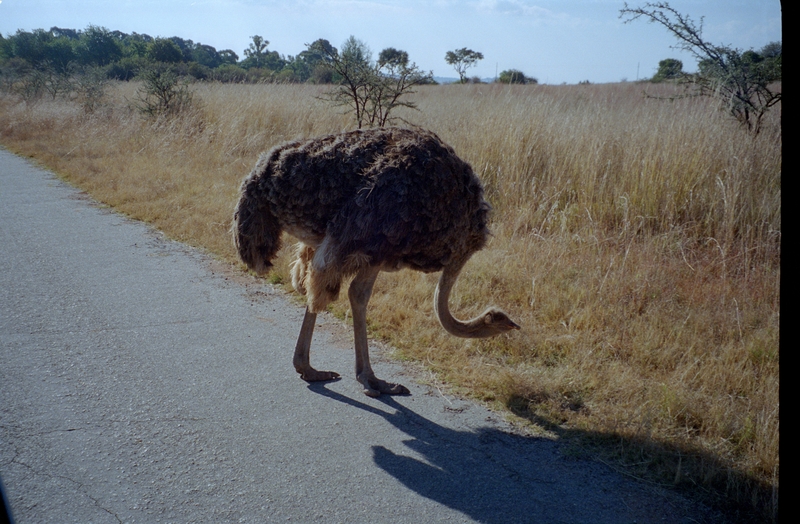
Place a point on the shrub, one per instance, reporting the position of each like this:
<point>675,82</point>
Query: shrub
<point>162,93</point>
<point>90,88</point>
<point>127,68</point>
<point>668,69</point>
<point>229,73</point>
<point>199,71</point>
<point>515,76</point>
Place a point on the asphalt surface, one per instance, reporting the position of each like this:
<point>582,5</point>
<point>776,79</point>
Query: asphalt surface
<point>140,381</point>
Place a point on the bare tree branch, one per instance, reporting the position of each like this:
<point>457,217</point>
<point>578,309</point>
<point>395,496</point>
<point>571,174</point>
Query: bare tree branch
<point>739,78</point>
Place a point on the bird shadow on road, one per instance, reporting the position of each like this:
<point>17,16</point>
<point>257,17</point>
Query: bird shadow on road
<point>495,476</point>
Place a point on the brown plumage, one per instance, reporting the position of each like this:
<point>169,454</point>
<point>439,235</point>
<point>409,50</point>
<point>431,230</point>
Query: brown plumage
<point>363,202</point>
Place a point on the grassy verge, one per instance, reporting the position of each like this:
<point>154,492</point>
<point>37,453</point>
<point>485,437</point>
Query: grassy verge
<point>637,242</point>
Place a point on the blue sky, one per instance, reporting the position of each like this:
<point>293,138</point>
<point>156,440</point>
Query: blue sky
<point>554,41</point>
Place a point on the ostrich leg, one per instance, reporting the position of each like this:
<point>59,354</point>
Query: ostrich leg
<point>302,361</point>
<point>359,294</point>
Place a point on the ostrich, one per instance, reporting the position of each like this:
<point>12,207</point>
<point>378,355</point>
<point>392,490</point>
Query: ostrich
<point>362,202</point>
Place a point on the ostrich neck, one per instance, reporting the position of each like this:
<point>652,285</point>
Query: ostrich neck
<point>474,328</point>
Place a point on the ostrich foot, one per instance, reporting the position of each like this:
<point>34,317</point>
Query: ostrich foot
<point>373,387</point>
<point>312,375</point>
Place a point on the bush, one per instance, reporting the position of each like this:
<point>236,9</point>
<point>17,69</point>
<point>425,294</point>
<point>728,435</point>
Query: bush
<point>668,69</point>
<point>18,76</point>
<point>199,71</point>
<point>229,73</point>
<point>322,74</point>
<point>515,76</point>
<point>127,68</point>
<point>163,93</point>
<point>90,88</point>
<point>287,76</point>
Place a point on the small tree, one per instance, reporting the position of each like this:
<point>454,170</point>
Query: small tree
<point>162,93</point>
<point>737,77</point>
<point>56,82</point>
<point>392,58</point>
<point>90,88</point>
<point>395,78</point>
<point>668,69</point>
<point>515,76</point>
<point>461,60</point>
<point>353,71</point>
<point>370,90</point>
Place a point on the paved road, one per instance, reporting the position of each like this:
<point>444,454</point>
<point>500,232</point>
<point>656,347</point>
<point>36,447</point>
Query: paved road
<point>141,382</point>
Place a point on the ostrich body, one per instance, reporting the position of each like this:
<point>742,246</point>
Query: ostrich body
<point>359,203</point>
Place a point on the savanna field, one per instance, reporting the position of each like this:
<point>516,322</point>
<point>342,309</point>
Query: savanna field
<point>636,240</point>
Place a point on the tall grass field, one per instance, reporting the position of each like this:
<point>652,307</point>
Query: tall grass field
<point>636,240</point>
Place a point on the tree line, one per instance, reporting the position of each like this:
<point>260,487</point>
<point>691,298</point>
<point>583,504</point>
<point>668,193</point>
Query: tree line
<point>123,56</point>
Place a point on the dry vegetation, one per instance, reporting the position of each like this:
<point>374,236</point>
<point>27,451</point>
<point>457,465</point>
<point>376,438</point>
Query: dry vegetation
<point>637,241</point>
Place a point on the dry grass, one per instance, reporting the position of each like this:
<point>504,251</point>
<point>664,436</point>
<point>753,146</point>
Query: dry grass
<point>637,242</point>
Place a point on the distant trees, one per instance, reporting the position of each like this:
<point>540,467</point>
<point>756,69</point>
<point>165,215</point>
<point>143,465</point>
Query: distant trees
<point>207,56</point>
<point>392,59</point>
<point>257,56</point>
<point>256,52</point>
<point>668,69</point>
<point>124,56</point>
<point>227,56</point>
<point>461,60</point>
<point>164,50</point>
<point>515,76</point>
<point>743,80</point>
<point>376,85</point>
<point>763,66</point>
<point>39,49</point>
<point>97,46</point>
<point>135,45</point>
<point>314,63</point>
<point>186,46</point>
